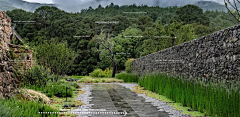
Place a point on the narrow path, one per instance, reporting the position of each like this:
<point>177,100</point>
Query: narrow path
<point>112,98</point>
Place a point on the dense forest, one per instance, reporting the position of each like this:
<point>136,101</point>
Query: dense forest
<point>133,30</point>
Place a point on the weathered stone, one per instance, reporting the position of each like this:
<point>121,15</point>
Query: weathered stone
<point>1,89</point>
<point>1,95</point>
<point>0,81</point>
<point>213,56</point>
<point>8,80</point>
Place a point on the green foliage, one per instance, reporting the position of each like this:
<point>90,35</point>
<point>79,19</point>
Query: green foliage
<point>56,56</point>
<point>100,73</point>
<point>23,56</point>
<point>15,108</point>
<point>108,72</point>
<point>212,99</point>
<point>52,23</point>
<point>97,73</point>
<point>59,90</point>
<point>128,65</point>
<point>191,14</point>
<point>127,77</point>
<point>127,45</point>
<point>76,77</point>
<point>37,76</point>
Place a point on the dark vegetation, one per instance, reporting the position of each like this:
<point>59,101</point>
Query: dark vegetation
<point>65,44</point>
<point>185,23</point>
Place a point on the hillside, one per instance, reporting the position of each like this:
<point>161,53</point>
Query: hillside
<point>210,5</point>
<point>6,6</point>
<point>71,7</point>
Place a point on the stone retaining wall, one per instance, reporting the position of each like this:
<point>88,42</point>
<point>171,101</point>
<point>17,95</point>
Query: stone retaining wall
<point>215,56</point>
<point>8,80</point>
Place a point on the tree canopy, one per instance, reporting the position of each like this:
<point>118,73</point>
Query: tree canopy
<point>140,30</point>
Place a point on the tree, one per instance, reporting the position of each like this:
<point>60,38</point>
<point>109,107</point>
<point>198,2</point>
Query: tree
<point>189,14</point>
<point>234,5</point>
<point>127,45</point>
<point>106,49</point>
<point>183,33</point>
<point>56,56</point>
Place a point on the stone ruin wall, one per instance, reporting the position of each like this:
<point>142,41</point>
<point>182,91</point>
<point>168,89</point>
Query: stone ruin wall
<point>215,57</point>
<point>8,80</point>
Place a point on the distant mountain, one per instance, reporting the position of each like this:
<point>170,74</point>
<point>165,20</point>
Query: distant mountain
<point>74,7</point>
<point>5,6</point>
<point>20,4</point>
<point>210,5</point>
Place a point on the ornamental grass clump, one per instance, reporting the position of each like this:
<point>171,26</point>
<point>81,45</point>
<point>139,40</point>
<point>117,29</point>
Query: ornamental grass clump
<point>209,98</point>
<point>127,77</point>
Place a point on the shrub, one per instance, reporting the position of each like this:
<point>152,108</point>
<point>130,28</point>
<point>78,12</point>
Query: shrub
<point>58,90</point>
<point>108,73</point>
<point>128,65</point>
<point>97,73</point>
<point>37,75</point>
<point>100,73</point>
<point>127,77</point>
<point>15,108</point>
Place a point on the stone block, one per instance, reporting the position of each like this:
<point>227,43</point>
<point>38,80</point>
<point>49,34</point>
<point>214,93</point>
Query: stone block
<point>214,55</point>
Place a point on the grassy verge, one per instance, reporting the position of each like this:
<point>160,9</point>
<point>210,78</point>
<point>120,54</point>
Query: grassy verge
<point>54,95</point>
<point>89,79</point>
<point>211,99</point>
<point>63,106</point>
<point>177,106</point>
<point>16,108</point>
<point>127,77</point>
<point>76,77</point>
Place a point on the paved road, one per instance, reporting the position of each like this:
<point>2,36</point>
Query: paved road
<point>108,99</point>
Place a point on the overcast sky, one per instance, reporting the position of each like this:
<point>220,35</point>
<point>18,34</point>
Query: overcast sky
<point>77,5</point>
<point>40,1</point>
<point>52,1</point>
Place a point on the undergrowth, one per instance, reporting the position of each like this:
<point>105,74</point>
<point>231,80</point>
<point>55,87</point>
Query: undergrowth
<point>15,108</point>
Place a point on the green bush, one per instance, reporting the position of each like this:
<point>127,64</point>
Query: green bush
<point>127,77</point>
<point>128,65</point>
<point>212,99</point>
<point>97,73</point>
<point>108,72</point>
<point>37,75</point>
<point>100,73</point>
<point>15,108</point>
<point>59,90</point>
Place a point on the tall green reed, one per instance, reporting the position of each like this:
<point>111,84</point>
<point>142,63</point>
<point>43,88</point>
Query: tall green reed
<point>209,98</point>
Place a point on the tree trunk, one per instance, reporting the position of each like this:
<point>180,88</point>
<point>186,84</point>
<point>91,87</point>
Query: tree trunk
<point>57,74</point>
<point>114,67</point>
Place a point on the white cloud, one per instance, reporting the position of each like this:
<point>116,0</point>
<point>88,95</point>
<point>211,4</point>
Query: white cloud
<point>40,1</point>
